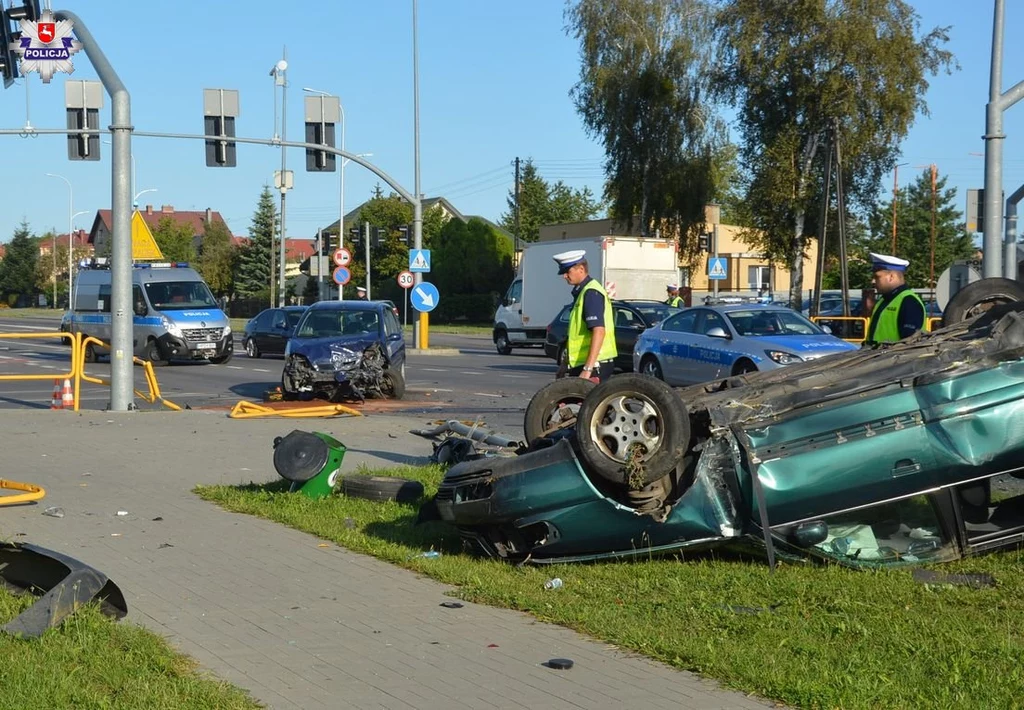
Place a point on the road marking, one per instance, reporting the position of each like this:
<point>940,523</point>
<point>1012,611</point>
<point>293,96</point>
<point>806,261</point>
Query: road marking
<point>428,389</point>
<point>470,372</point>
<point>487,394</point>
<point>258,369</point>
<point>235,367</point>
<point>433,369</point>
<point>519,376</point>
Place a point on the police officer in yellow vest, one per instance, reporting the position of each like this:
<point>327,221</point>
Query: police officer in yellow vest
<point>673,299</point>
<point>591,343</point>
<point>898,312</point>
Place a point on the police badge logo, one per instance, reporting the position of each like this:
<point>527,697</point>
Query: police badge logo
<point>46,46</point>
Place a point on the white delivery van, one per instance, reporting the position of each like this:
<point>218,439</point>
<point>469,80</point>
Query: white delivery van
<point>175,315</point>
<point>634,268</point>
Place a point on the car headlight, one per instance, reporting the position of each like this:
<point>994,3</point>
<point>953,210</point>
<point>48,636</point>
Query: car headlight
<point>172,328</point>
<point>227,331</point>
<point>783,358</point>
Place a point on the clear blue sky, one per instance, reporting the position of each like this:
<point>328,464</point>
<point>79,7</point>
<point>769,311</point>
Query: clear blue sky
<point>494,84</point>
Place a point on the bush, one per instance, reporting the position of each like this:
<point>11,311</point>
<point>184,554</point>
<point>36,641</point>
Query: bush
<point>473,308</point>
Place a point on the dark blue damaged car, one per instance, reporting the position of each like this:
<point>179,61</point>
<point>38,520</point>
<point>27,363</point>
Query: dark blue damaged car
<point>346,350</point>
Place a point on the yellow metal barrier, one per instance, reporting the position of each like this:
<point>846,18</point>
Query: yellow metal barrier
<point>147,367</point>
<point>934,324</point>
<point>854,322</point>
<point>51,376</point>
<point>250,410</point>
<point>29,493</point>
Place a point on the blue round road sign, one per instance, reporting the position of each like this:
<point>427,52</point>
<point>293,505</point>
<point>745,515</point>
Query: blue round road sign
<point>424,297</point>
<point>341,275</point>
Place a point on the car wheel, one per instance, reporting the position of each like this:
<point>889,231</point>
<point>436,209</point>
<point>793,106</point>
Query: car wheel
<point>90,351</point>
<point>381,488</point>
<point>980,296</point>
<point>501,343</point>
<point>251,349</point>
<point>393,384</point>
<point>153,354</point>
<point>742,367</point>
<point>222,359</point>
<point>562,357</point>
<point>555,406</point>
<point>632,430</point>
<point>649,366</point>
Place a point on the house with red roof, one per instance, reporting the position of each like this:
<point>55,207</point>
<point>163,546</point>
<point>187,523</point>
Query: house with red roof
<point>100,234</point>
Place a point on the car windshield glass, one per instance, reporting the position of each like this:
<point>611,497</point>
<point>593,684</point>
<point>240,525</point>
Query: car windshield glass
<point>333,324</point>
<point>759,323</point>
<point>179,295</point>
<point>293,318</point>
<point>656,312</point>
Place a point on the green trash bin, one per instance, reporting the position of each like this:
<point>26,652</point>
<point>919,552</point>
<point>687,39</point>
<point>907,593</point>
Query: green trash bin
<point>310,460</point>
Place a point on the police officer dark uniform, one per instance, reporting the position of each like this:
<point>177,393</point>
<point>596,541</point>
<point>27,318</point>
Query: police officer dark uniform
<point>591,342</point>
<point>898,311</point>
<point>673,299</point>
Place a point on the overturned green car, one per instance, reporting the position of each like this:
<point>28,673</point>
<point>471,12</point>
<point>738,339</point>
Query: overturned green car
<point>902,455</point>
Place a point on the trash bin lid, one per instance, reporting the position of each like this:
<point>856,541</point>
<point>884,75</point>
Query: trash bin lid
<point>300,456</point>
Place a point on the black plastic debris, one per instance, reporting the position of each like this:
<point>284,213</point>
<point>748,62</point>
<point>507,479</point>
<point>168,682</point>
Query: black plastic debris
<point>974,581</point>
<point>452,605</point>
<point>559,664</point>
<point>64,583</point>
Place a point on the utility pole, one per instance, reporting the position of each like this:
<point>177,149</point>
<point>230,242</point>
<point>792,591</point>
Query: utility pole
<point>931,276</point>
<point>516,253</point>
<point>282,79</point>
<point>366,236</point>
<point>320,265</point>
<point>895,200</point>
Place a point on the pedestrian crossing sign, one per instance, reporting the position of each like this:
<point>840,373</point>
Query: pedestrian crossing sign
<point>718,268</point>
<point>419,260</point>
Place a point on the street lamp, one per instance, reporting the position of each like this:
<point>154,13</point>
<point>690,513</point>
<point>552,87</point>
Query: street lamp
<point>71,221</point>
<point>135,200</point>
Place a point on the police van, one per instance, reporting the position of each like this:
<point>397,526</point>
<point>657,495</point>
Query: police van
<point>175,315</point>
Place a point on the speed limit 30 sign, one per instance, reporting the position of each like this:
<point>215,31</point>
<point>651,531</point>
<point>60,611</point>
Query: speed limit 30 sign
<point>405,279</point>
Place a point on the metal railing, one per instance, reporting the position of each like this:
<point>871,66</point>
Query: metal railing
<point>72,374</point>
<point>147,367</point>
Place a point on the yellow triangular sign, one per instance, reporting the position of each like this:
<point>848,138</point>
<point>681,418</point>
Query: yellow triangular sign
<point>143,244</point>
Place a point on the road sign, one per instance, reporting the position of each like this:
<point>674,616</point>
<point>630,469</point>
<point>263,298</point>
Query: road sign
<point>342,257</point>
<point>405,279</point>
<point>419,261</point>
<point>143,244</point>
<point>718,268</point>
<point>341,275</point>
<point>425,297</point>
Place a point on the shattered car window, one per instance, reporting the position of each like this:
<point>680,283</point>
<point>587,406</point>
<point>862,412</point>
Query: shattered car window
<point>906,530</point>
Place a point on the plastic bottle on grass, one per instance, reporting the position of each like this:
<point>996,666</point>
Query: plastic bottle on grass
<point>555,583</point>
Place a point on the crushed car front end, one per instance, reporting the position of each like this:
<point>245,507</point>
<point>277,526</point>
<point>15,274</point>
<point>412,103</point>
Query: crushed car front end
<point>334,367</point>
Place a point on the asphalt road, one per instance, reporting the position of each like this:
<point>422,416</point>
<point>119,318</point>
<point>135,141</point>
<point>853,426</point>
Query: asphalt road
<point>477,383</point>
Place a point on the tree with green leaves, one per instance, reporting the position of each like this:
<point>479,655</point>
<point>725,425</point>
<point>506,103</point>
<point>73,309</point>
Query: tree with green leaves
<point>472,265</point>
<point>252,276</point>
<point>18,268</point>
<point>642,92</point>
<point>913,234</point>
<point>217,257</point>
<point>541,203</point>
<point>175,239</point>
<point>795,69</point>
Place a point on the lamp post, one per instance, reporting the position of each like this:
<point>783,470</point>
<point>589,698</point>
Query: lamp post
<point>71,220</point>
<point>135,200</point>
<point>71,249</point>
<point>279,72</point>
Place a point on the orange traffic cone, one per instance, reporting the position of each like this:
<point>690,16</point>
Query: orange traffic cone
<point>67,396</point>
<point>57,401</point>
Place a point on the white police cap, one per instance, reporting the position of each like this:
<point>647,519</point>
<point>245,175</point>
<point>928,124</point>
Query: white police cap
<point>568,259</point>
<point>888,263</point>
<point>361,288</point>
<point>672,287</point>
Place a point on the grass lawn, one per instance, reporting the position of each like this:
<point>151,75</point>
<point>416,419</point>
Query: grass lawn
<point>816,637</point>
<point>93,662</point>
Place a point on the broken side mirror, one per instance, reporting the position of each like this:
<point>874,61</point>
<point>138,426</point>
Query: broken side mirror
<point>717,332</point>
<point>140,308</point>
<point>809,534</point>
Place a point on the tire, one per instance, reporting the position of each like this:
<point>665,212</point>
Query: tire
<point>626,412</point>
<point>552,402</point>
<point>251,349</point>
<point>742,367</point>
<point>153,354</point>
<point>393,384</point>
<point>501,343</point>
<point>562,357</point>
<point>649,366</point>
<point>978,297</point>
<point>90,352</point>
<point>382,488</point>
<point>223,359</point>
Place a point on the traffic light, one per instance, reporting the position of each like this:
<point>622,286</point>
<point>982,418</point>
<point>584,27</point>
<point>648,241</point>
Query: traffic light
<point>704,242</point>
<point>403,233</point>
<point>220,108</point>
<point>322,114</point>
<point>8,57</point>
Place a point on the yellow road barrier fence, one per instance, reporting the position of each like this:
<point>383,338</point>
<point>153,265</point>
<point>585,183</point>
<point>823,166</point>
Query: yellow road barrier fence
<point>250,410</point>
<point>29,492</point>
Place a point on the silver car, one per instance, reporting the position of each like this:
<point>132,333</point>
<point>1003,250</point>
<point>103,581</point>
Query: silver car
<point>704,343</point>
